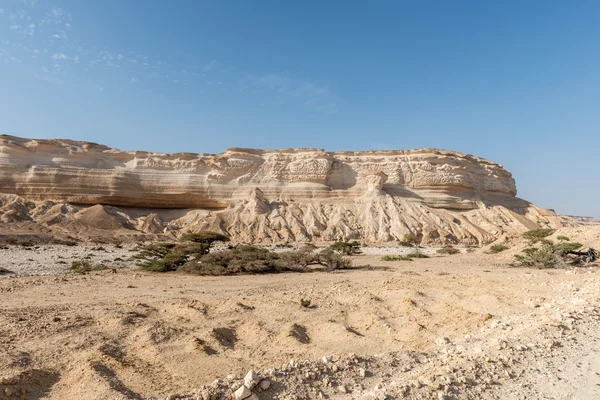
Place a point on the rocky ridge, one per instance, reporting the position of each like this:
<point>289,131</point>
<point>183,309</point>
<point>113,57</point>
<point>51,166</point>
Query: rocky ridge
<point>263,195</point>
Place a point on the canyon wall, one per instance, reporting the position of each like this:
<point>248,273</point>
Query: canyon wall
<point>277,195</point>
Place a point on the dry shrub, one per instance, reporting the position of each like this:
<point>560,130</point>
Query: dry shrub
<point>448,250</point>
<point>497,248</point>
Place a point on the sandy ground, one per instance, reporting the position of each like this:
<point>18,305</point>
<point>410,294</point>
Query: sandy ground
<point>465,326</point>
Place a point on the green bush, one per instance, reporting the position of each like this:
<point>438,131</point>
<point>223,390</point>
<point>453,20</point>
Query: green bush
<point>165,257</point>
<point>562,238</point>
<point>497,248</point>
<point>203,237</point>
<point>536,235</point>
<point>547,255</point>
<point>347,248</point>
<point>243,259</point>
<point>565,248</point>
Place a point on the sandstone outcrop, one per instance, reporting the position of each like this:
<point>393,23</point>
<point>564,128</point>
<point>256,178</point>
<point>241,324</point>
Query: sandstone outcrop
<point>265,195</point>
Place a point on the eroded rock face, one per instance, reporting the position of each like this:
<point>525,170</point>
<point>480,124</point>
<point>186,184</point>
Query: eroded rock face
<point>266,195</point>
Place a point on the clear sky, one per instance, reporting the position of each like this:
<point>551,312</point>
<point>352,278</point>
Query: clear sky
<point>517,82</point>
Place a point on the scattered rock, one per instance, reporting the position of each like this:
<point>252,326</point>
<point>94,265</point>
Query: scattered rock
<point>242,393</point>
<point>251,379</point>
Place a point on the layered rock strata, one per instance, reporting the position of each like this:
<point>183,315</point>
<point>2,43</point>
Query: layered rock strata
<point>271,196</point>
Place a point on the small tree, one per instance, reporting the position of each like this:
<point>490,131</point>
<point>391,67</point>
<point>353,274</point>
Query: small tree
<point>547,255</point>
<point>203,237</point>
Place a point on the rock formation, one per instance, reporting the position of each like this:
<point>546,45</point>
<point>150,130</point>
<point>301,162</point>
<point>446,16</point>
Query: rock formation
<point>265,195</point>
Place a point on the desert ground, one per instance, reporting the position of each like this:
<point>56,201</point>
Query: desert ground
<point>464,326</point>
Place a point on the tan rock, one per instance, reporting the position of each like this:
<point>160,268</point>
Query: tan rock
<point>266,195</point>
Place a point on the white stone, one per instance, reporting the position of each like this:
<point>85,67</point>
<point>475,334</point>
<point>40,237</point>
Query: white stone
<point>242,393</point>
<point>251,379</point>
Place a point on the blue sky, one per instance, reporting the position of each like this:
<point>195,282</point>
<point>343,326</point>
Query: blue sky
<point>517,82</point>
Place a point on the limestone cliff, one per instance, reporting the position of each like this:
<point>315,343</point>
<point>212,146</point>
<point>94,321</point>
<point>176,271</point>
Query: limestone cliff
<point>267,195</point>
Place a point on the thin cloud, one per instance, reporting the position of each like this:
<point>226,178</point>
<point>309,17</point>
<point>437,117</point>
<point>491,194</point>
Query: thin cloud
<point>30,30</point>
<point>313,95</point>
<point>64,57</point>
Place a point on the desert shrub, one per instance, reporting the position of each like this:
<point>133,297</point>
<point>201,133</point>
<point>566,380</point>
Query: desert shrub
<point>170,262</point>
<point>84,266</point>
<point>107,240</point>
<point>242,259</point>
<point>203,237</point>
<point>302,257</point>
<point>448,250</point>
<point>347,248</point>
<point>396,258</point>
<point>195,258</point>
<point>165,257</point>
<point>417,254</point>
<point>305,303</point>
<point>155,250</point>
<point>565,248</point>
<point>408,240</point>
<point>547,255</point>
<point>536,235</point>
<point>65,242</point>
<point>332,261</point>
<point>497,248</point>
<point>562,238</point>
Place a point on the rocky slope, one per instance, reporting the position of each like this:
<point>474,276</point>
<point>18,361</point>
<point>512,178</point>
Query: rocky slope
<point>86,189</point>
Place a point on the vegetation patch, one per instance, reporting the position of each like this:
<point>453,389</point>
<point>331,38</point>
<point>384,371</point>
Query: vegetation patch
<point>536,235</point>
<point>417,254</point>
<point>497,248</point>
<point>396,258</point>
<point>547,255</point>
<point>405,257</point>
<point>193,255</point>
<point>84,266</point>
<point>448,250</point>
<point>408,240</point>
<point>347,248</point>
